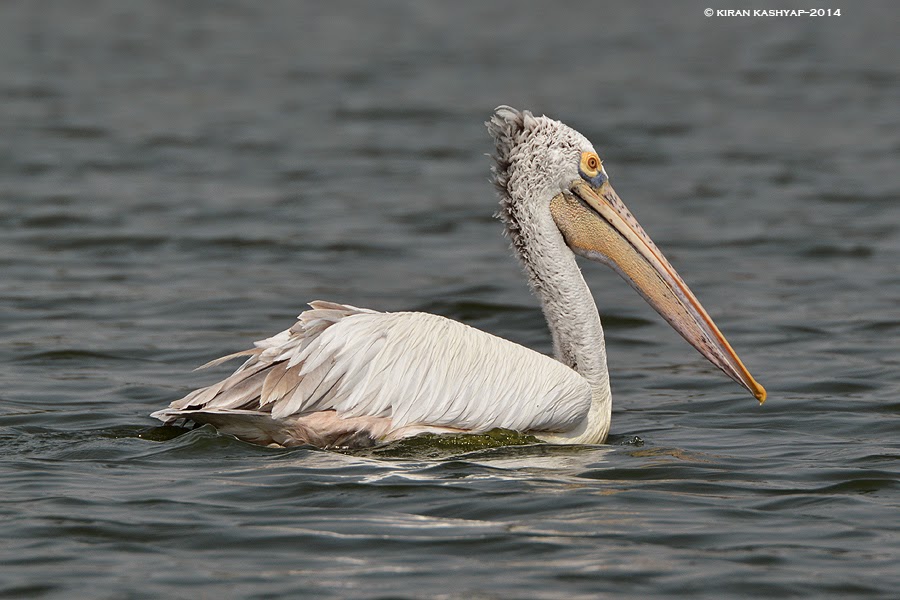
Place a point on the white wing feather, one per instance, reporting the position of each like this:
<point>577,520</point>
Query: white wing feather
<point>415,369</point>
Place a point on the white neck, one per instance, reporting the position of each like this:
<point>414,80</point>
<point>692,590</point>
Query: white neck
<point>570,312</point>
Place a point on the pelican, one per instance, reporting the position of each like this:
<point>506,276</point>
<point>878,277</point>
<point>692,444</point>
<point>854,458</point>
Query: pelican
<point>344,376</point>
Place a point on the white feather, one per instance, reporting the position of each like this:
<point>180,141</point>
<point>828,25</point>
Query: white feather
<point>415,369</point>
<point>344,375</point>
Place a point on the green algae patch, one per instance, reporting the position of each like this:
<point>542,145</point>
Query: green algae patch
<point>433,445</point>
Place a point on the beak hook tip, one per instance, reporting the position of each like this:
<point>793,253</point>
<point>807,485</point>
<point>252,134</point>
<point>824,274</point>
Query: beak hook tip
<point>760,393</point>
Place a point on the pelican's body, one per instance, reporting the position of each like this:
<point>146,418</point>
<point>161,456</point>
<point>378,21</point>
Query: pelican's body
<point>345,376</point>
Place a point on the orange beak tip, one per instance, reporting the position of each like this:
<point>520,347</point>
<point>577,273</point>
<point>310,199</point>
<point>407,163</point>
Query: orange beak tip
<point>760,393</point>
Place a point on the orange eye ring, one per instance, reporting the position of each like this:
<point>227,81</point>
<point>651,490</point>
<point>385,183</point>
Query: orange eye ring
<point>590,163</point>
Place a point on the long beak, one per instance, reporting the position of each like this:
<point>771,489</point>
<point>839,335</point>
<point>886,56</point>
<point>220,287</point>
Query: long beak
<point>596,225</point>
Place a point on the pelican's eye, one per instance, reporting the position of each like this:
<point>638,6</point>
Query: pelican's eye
<point>591,169</point>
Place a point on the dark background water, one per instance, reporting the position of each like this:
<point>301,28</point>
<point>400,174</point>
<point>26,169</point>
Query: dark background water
<point>177,179</point>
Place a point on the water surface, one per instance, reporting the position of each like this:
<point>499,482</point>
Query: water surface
<point>177,180</point>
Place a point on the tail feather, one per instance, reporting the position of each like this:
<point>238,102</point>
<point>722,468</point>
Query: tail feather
<point>274,371</point>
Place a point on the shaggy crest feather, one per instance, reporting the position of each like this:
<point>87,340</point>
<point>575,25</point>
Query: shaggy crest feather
<point>527,153</point>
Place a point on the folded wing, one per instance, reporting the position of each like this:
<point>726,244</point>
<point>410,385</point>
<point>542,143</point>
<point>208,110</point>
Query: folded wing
<point>410,371</point>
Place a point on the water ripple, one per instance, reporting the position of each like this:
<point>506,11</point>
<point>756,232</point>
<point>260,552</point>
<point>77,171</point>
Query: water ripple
<point>179,178</point>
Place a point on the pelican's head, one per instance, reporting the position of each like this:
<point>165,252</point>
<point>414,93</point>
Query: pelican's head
<point>544,166</point>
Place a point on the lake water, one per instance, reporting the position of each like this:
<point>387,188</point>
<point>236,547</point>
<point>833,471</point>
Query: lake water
<point>178,179</point>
